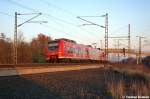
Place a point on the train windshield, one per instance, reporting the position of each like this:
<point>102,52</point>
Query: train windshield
<point>52,46</point>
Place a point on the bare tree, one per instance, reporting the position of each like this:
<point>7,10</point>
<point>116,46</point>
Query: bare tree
<point>5,49</point>
<point>37,46</point>
<point>24,50</point>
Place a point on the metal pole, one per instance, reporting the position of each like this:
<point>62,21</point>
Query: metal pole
<point>15,41</point>
<point>106,35</point>
<point>139,49</point>
<point>15,45</point>
<point>118,51</point>
<point>129,40</point>
<point>101,44</point>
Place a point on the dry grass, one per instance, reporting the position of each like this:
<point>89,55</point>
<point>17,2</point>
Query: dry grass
<point>116,90</point>
<point>139,89</point>
<point>124,87</point>
<point>83,84</point>
<point>135,67</point>
<point>132,69</point>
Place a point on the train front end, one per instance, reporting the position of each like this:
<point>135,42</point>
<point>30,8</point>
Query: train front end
<point>54,50</point>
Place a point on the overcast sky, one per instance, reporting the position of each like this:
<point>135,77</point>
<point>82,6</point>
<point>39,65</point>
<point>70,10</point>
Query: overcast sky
<point>62,22</point>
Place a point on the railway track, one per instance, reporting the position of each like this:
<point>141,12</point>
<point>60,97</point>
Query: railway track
<point>22,69</point>
<point>43,64</point>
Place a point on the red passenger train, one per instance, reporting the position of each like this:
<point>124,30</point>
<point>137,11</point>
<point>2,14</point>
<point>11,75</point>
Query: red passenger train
<point>65,50</point>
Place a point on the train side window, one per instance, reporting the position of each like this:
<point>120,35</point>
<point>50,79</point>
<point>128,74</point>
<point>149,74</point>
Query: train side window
<point>70,50</point>
<point>87,52</point>
<point>80,51</point>
<point>77,51</point>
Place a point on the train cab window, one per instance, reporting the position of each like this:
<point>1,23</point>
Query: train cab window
<point>53,46</point>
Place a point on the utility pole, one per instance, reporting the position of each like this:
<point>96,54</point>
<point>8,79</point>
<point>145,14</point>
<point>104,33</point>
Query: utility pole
<point>15,45</point>
<point>118,50</point>
<point>140,49</point>
<point>129,40</point>
<point>101,44</point>
<point>15,41</point>
<point>106,35</point>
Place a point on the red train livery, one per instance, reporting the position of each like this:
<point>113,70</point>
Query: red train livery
<point>61,50</point>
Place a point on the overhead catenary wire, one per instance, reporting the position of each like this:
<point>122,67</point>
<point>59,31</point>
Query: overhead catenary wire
<point>59,8</point>
<point>69,13</point>
<point>20,5</point>
<point>69,23</point>
<point>118,29</point>
<point>49,15</point>
<point>7,14</point>
<point>87,37</point>
<point>62,32</point>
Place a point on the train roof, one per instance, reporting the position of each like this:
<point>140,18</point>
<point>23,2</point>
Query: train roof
<point>89,45</point>
<point>68,40</point>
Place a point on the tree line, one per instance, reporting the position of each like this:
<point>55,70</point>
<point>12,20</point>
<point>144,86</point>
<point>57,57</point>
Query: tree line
<point>27,52</point>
